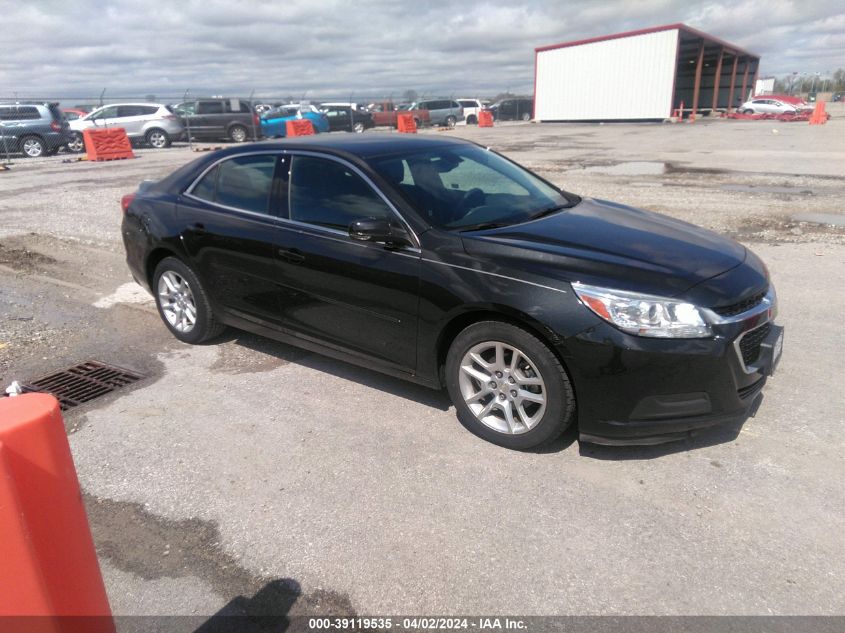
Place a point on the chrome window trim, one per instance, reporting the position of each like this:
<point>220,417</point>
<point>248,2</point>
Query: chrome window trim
<point>291,153</point>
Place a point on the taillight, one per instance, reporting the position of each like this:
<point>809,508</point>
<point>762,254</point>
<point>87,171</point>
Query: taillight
<point>169,117</point>
<point>55,126</point>
<point>126,200</point>
<point>255,119</point>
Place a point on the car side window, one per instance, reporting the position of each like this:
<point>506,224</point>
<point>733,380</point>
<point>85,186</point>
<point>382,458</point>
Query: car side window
<point>246,182</point>
<point>206,187</point>
<point>129,110</point>
<point>327,193</point>
<point>209,107</point>
<point>106,113</point>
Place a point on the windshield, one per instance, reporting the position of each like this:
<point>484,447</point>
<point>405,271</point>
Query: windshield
<point>469,187</point>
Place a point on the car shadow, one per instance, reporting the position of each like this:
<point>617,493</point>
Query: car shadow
<point>267,610</point>
<point>437,399</point>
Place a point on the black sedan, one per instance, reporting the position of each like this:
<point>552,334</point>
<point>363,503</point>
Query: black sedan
<point>445,263</point>
<point>347,119</point>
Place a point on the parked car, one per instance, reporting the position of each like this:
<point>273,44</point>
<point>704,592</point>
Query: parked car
<point>274,122</point>
<point>33,129</point>
<point>384,113</point>
<point>442,111</point>
<point>767,106</point>
<point>471,108</point>
<point>72,114</point>
<point>155,124</point>
<point>838,96</point>
<point>343,104</point>
<point>217,118</point>
<point>347,119</point>
<point>442,262</point>
<point>518,109</point>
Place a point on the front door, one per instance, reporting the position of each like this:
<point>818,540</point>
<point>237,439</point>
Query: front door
<point>359,297</point>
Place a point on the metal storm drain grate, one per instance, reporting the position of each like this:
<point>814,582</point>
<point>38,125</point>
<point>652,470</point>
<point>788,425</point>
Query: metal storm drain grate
<point>83,383</point>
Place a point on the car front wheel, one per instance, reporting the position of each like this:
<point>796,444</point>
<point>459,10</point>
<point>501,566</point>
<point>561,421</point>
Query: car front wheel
<point>507,386</point>
<point>183,303</point>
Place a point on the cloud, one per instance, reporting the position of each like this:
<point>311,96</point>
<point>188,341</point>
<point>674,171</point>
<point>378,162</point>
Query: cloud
<point>53,48</point>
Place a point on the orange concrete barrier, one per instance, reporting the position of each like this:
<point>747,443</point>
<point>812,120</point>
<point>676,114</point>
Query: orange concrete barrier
<point>299,127</point>
<point>49,567</point>
<point>819,117</point>
<point>107,144</point>
<point>485,118</point>
<point>405,123</point>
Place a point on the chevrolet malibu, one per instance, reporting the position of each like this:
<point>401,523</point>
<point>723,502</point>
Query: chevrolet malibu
<point>444,263</point>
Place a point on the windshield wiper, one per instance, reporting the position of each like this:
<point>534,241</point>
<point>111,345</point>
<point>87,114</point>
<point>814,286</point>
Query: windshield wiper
<point>481,226</point>
<point>547,211</point>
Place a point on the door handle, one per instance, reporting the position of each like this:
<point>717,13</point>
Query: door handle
<point>293,255</point>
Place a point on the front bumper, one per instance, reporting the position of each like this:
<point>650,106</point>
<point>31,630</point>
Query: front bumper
<point>636,390</point>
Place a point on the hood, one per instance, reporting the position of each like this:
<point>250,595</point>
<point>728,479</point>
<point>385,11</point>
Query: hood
<point>612,245</point>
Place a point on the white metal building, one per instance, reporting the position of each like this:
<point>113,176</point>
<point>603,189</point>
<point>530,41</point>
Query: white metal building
<point>645,74</point>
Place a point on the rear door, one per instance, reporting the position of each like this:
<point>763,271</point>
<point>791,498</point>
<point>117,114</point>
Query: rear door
<point>359,297</point>
<point>230,219</point>
<point>131,118</point>
<point>207,122</point>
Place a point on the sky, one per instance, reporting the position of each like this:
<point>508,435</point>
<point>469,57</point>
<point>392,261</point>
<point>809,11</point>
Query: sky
<point>360,48</point>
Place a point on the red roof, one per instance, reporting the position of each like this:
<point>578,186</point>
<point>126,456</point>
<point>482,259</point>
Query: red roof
<point>655,29</point>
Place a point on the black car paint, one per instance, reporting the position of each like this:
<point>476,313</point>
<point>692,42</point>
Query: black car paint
<point>396,308</point>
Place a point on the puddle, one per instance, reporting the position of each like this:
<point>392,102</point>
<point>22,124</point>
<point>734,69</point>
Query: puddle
<point>766,189</point>
<point>834,219</point>
<point>633,168</point>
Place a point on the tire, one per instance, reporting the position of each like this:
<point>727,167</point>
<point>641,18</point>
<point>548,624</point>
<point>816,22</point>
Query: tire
<point>526,116</point>
<point>77,145</point>
<point>537,370</point>
<point>451,121</point>
<point>358,128</point>
<point>748,111</point>
<point>238,133</point>
<point>177,289</point>
<point>157,138</point>
<point>33,147</point>
<point>472,120</point>
<point>417,122</point>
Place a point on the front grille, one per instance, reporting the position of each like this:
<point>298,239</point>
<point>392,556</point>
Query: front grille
<point>742,306</point>
<point>749,344</point>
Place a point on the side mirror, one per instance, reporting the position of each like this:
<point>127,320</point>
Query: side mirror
<point>377,230</point>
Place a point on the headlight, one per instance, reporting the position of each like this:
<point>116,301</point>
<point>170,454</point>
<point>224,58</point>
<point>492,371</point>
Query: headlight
<point>644,315</point>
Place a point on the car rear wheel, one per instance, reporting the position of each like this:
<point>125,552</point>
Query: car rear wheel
<point>76,144</point>
<point>33,147</point>
<point>358,128</point>
<point>157,138</point>
<point>183,303</point>
<point>526,116</point>
<point>507,386</point>
<point>748,111</point>
<point>237,133</point>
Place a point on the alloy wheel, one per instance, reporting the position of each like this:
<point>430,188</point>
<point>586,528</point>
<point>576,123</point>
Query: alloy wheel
<point>502,387</point>
<point>157,139</point>
<point>177,301</point>
<point>33,148</point>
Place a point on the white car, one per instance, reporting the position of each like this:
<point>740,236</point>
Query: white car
<point>767,106</point>
<point>152,123</point>
<point>471,109</point>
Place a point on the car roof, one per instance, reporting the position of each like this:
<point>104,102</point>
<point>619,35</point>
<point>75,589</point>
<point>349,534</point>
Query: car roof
<point>361,145</point>
<point>132,103</point>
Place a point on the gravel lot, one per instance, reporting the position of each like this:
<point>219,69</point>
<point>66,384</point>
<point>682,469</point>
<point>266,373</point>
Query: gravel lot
<point>249,476</point>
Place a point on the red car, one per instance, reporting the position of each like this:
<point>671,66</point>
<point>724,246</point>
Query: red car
<point>71,114</point>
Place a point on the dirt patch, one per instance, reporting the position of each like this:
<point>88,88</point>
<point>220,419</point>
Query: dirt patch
<point>24,259</point>
<point>149,546</point>
<point>243,353</point>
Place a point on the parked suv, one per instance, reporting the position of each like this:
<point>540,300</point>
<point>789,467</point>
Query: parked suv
<point>151,123</point>
<point>471,109</point>
<point>33,129</point>
<point>442,111</point>
<point>214,119</point>
<point>513,109</point>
